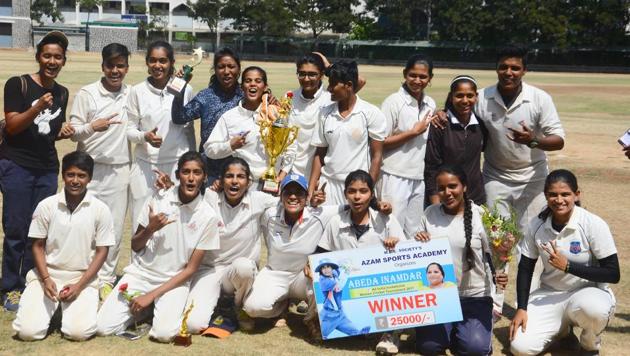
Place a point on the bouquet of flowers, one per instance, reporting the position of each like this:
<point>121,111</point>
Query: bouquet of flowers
<point>503,235</point>
<point>277,113</point>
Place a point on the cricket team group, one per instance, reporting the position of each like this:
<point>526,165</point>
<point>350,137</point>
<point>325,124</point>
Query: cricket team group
<point>356,175</point>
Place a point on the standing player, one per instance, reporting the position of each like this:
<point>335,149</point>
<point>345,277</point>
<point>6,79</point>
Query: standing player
<point>67,256</point>
<point>408,115</point>
<point>349,135</point>
<point>97,117</point>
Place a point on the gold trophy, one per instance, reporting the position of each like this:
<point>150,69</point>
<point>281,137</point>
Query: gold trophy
<point>184,338</point>
<point>276,135</point>
<point>178,84</point>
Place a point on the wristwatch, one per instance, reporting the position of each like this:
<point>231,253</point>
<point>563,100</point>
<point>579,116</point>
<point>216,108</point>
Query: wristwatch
<point>533,143</point>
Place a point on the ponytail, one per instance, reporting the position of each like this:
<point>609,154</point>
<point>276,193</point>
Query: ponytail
<point>468,254</point>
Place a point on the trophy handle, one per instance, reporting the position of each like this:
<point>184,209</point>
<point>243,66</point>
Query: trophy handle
<point>293,133</point>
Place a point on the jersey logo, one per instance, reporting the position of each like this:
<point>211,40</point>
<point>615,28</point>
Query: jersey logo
<point>44,118</point>
<point>574,247</point>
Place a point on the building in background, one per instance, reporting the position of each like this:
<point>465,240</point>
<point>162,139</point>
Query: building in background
<point>15,24</point>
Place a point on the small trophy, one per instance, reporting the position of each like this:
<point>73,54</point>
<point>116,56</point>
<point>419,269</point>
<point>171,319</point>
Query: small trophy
<point>178,84</point>
<point>276,135</point>
<point>184,338</point>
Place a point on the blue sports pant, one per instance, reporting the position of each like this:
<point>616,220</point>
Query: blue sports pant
<point>22,189</point>
<point>471,336</point>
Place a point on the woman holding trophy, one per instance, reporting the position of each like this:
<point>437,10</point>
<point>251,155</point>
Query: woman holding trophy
<point>158,142</point>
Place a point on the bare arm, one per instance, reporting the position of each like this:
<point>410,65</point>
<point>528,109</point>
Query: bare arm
<point>39,260</point>
<point>376,154</point>
<point>17,122</point>
<point>71,291</point>
<point>316,170</point>
<point>143,234</point>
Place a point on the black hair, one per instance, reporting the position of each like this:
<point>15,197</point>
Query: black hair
<point>235,160</point>
<point>419,59</point>
<point>114,50</point>
<point>344,71</point>
<point>50,40</point>
<point>512,51</point>
<point>362,176</point>
<point>311,58</point>
<point>78,159</point>
<point>190,156</point>
<point>170,53</point>
<point>439,266</point>
<point>256,68</point>
<point>559,175</point>
<point>469,258</point>
<point>448,104</point>
<point>224,52</point>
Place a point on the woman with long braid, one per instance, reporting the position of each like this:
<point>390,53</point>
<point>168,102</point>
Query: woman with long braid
<point>457,218</point>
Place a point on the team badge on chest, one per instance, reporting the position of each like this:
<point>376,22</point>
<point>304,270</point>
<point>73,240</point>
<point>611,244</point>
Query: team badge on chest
<point>575,247</point>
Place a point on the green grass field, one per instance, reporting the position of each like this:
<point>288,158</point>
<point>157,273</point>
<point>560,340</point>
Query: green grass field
<point>594,109</point>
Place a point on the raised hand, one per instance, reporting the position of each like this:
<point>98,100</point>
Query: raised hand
<point>556,259</point>
<point>44,102</point>
<point>238,141</point>
<point>163,180</point>
<point>100,125</point>
<point>153,138</point>
<point>157,221</point>
<point>422,125</point>
<point>66,131</point>
<point>319,196</point>
<point>524,136</point>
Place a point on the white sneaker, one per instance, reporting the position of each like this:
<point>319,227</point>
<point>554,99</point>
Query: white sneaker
<point>388,345</point>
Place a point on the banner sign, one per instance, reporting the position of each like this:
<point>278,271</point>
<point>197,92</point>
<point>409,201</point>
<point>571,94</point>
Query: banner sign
<point>371,289</point>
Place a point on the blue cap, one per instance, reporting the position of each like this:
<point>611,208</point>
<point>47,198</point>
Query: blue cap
<point>326,262</point>
<point>297,178</point>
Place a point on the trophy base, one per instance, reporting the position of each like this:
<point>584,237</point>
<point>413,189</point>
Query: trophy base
<point>177,85</point>
<point>183,340</point>
<point>269,186</point>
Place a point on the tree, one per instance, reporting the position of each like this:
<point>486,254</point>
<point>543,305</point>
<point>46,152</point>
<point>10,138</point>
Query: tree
<point>400,18</point>
<point>89,4</point>
<point>207,11</point>
<point>317,16</point>
<point>48,8</point>
<point>261,17</point>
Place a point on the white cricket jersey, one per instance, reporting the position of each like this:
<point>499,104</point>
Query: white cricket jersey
<point>339,234</point>
<point>288,247</point>
<point>504,159</point>
<point>148,108</point>
<point>585,239</point>
<point>347,139</point>
<point>94,102</point>
<point>305,114</point>
<point>71,236</point>
<point>239,226</point>
<point>476,282</point>
<point>168,251</point>
<point>402,112</point>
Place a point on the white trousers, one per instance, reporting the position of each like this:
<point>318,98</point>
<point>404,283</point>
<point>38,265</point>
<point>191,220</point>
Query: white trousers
<point>334,191</point>
<point>115,315</point>
<point>208,283</point>
<point>271,292</point>
<point>407,199</point>
<point>110,184</point>
<point>141,185</point>
<point>550,314</point>
<point>36,309</point>
<point>527,200</point>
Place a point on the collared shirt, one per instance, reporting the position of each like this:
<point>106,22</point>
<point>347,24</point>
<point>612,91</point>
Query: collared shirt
<point>339,234</point>
<point>305,114</point>
<point>504,159</point>
<point>239,226</point>
<point>288,246</point>
<point>72,236</point>
<point>585,239</point>
<point>402,112</point>
<point>457,145</point>
<point>94,102</point>
<point>477,281</point>
<point>208,105</point>
<point>347,138</point>
<point>149,107</point>
<point>234,122</point>
<point>168,251</point>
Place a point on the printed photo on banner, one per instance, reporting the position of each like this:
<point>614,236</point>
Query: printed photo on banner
<point>371,289</point>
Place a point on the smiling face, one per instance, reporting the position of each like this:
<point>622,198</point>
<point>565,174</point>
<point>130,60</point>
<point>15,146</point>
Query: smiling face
<point>75,181</point>
<point>160,66</point>
<point>434,276</point>
<point>451,192</point>
<point>254,87</point>
<point>51,59</point>
<point>310,78</point>
<point>464,98</point>
<point>293,199</point>
<point>510,72</point>
<point>235,183</point>
<point>227,72</point>
<point>327,270</point>
<point>561,200</point>
<point>114,72</point>
<point>191,178</point>
<point>358,195</point>
<point>417,78</point>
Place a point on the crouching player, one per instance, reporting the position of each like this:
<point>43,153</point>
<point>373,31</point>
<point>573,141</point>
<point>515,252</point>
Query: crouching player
<point>175,230</point>
<point>71,233</point>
